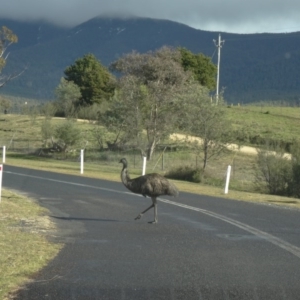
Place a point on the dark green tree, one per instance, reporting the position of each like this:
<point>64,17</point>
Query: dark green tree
<point>201,66</point>
<point>96,83</point>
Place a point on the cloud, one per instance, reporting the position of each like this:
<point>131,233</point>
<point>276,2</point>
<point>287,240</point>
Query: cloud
<point>215,15</point>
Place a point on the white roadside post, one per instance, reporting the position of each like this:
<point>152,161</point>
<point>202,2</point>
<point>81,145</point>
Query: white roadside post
<point>227,179</point>
<point>1,171</point>
<point>81,160</point>
<point>144,165</point>
<point>4,154</point>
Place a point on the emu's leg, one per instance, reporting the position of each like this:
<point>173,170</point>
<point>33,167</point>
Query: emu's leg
<point>155,211</point>
<point>141,214</point>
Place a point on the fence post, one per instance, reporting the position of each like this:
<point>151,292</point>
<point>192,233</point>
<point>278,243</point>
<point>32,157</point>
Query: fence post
<point>227,179</point>
<point>144,165</point>
<point>81,160</point>
<point>4,154</point>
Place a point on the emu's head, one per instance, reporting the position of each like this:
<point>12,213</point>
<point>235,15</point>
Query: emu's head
<point>124,162</point>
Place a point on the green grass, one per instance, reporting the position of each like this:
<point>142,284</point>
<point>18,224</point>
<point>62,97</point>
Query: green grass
<point>267,122</point>
<point>24,131</point>
<point>260,122</point>
<point>24,248</point>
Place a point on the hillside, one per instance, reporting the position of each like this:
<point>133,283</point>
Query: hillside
<point>254,67</point>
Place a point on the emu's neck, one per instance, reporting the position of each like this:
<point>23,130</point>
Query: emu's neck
<point>125,176</point>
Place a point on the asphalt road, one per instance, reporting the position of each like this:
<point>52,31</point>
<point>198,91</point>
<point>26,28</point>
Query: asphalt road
<point>201,248</point>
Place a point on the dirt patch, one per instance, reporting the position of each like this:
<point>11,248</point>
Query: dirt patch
<point>40,225</point>
<point>233,147</point>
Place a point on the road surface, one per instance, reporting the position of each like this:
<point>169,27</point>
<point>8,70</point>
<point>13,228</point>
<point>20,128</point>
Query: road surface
<point>201,248</point>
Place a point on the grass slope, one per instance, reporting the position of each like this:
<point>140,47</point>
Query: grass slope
<point>267,122</point>
<point>24,248</point>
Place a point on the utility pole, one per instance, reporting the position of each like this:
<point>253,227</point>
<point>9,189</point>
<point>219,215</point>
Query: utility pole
<point>219,45</point>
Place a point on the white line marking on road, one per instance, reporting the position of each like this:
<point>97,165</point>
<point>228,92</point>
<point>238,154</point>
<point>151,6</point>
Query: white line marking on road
<point>71,183</point>
<point>264,235</point>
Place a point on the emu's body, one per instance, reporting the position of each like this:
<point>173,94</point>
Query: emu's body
<point>151,185</point>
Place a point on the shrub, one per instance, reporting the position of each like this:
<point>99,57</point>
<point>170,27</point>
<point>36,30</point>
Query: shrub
<point>275,172</point>
<point>46,130</point>
<point>295,162</point>
<point>67,133</point>
<point>279,174</point>
<point>185,173</point>
<point>104,156</point>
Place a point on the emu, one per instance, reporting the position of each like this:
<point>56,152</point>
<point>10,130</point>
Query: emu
<point>151,185</point>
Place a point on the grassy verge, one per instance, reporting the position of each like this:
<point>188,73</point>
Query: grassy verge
<point>112,172</point>
<point>24,248</point>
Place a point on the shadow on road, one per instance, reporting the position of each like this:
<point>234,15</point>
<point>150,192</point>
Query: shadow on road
<point>84,219</point>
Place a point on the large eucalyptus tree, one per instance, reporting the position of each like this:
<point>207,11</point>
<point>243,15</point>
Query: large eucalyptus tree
<point>150,95</point>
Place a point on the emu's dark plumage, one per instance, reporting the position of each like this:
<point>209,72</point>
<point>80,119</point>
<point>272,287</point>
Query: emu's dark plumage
<point>151,185</point>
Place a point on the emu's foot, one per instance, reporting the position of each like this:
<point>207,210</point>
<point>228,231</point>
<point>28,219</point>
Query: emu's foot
<point>139,216</point>
<point>153,222</point>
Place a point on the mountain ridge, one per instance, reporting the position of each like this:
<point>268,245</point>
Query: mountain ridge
<point>254,67</point>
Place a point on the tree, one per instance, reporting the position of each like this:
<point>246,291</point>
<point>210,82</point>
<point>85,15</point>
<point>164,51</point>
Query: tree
<point>100,134</point>
<point>130,108</point>
<point>201,66</point>
<point>94,80</point>
<point>150,94</point>
<point>67,98</point>
<point>113,118</point>
<point>7,37</point>
<point>207,122</point>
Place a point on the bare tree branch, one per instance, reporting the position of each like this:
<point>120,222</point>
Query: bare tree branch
<point>7,37</point>
<point>5,79</point>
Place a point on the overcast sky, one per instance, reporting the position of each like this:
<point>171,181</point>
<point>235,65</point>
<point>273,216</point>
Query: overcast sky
<point>238,16</point>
